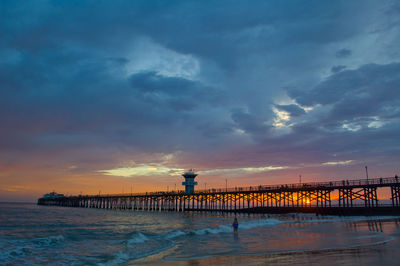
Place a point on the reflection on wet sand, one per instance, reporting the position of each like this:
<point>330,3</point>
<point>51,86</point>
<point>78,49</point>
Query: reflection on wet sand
<point>379,253</point>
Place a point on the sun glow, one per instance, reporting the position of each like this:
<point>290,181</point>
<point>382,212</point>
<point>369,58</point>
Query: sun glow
<point>281,119</point>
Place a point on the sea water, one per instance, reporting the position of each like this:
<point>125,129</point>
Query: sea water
<point>31,234</point>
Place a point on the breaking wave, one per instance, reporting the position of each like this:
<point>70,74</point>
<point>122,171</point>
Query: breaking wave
<point>137,238</point>
<point>12,250</point>
<point>141,245</point>
<point>49,241</point>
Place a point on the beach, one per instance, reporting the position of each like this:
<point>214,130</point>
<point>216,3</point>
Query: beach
<point>384,254</point>
<point>31,234</point>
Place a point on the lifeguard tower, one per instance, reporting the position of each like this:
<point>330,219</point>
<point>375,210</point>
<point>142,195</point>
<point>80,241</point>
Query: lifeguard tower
<point>189,181</point>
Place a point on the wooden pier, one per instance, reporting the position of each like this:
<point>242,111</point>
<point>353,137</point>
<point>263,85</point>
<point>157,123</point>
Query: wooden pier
<point>351,197</point>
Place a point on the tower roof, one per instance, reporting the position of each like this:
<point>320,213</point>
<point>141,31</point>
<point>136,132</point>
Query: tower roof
<point>189,173</point>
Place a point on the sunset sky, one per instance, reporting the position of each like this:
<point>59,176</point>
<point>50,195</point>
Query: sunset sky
<point>111,96</point>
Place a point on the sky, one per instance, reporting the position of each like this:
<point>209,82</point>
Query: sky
<point>120,96</point>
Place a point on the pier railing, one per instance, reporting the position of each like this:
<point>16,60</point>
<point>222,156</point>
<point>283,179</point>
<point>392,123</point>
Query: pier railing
<point>355,183</point>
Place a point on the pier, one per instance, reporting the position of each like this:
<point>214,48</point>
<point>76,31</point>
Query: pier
<point>346,197</point>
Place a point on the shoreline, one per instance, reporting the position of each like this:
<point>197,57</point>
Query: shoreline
<point>301,257</point>
<point>339,211</point>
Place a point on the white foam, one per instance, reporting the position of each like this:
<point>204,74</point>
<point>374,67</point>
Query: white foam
<point>225,228</point>
<point>175,234</point>
<point>137,238</point>
<point>216,230</point>
<point>140,246</point>
<point>259,223</point>
<point>136,249</point>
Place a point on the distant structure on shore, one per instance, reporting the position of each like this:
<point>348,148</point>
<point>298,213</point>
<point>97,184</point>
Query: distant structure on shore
<point>189,181</point>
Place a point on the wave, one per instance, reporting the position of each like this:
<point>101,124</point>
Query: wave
<point>49,241</point>
<point>225,228</point>
<point>137,238</point>
<point>141,245</point>
<point>35,242</point>
<point>118,258</point>
<point>175,234</point>
<point>19,250</point>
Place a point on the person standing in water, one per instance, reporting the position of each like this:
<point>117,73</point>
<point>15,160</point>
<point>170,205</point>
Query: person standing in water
<point>235,224</point>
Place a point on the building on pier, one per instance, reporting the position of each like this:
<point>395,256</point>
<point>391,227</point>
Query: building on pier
<point>53,195</point>
<point>189,181</point>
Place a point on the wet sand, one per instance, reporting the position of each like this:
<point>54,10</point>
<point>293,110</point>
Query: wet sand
<point>385,253</point>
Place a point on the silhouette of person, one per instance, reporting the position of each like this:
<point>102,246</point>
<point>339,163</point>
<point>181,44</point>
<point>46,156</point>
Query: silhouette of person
<point>235,224</point>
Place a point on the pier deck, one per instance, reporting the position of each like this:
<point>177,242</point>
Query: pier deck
<point>355,197</point>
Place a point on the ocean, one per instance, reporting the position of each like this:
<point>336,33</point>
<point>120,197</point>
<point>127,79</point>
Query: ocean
<point>47,235</point>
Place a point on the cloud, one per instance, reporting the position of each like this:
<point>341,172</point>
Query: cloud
<point>177,93</point>
<point>248,122</point>
<point>222,86</point>
<point>149,56</point>
<point>144,170</point>
<point>343,53</point>
<point>159,170</point>
<point>354,111</point>
<point>336,69</point>
<point>338,162</point>
<point>292,109</point>
<point>242,171</point>
<point>371,90</point>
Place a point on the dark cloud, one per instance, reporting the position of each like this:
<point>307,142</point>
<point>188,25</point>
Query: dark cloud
<point>248,122</point>
<point>362,113</point>
<point>178,93</point>
<point>343,53</point>
<point>357,91</point>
